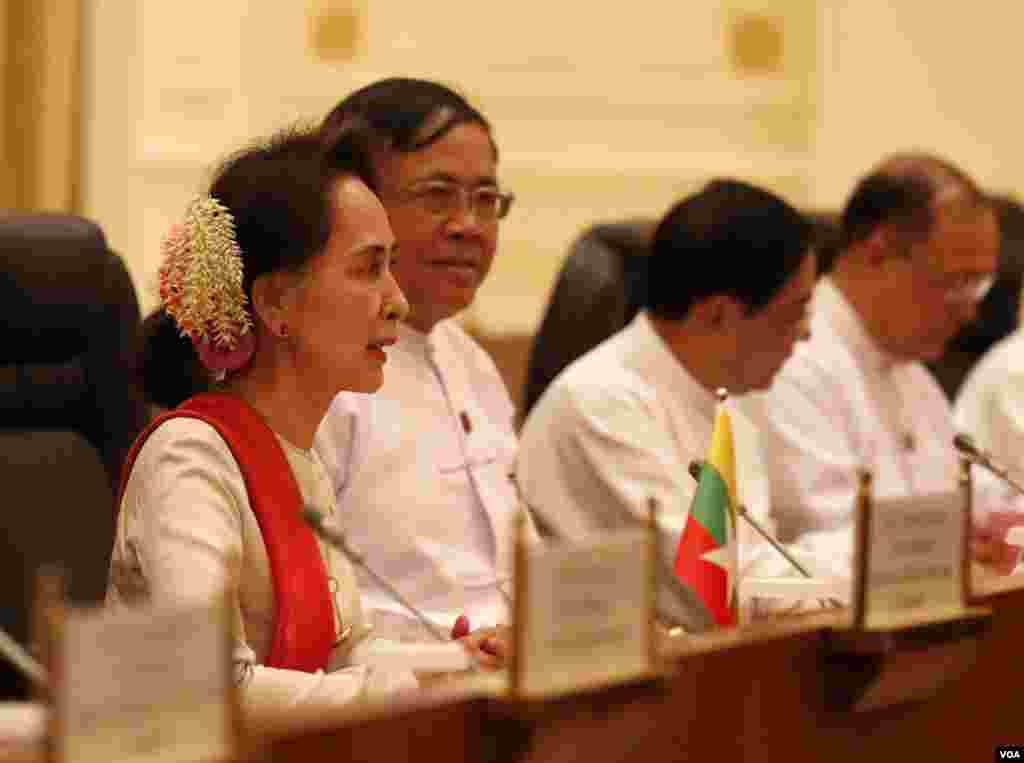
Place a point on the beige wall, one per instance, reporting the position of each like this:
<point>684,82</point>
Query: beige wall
<point>602,110</point>
<point>935,76</point>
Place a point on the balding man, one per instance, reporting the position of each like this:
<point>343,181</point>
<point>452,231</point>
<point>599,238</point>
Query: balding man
<point>919,245</point>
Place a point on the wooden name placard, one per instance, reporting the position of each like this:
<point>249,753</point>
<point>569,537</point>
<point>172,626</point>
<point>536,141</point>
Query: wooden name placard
<point>584,614</point>
<point>139,685</point>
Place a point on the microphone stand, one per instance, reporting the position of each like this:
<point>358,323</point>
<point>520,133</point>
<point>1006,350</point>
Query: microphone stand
<point>22,660</point>
<point>965,446</point>
<point>694,469</point>
<point>338,540</point>
<point>999,472</point>
<point>745,513</point>
<point>696,617</point>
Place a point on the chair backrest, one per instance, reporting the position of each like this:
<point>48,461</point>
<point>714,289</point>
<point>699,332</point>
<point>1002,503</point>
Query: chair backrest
<point>597,292</point>
<point>69,406</point>
<point>69,325</point>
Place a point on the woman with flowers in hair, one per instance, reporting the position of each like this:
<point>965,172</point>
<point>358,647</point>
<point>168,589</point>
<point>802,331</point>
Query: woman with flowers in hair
<point>280,278</point>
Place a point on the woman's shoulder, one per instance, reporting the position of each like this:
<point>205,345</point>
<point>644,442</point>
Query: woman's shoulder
<point>183,448</point>
<point>184,433</point>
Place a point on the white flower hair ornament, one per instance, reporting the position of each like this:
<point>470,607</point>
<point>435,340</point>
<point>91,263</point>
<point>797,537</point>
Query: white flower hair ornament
<point>201,287</point>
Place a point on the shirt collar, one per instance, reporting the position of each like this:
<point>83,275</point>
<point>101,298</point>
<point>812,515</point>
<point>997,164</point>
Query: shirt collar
<point>416,341</point>
<point>658,360</point>
<point>836,311</point>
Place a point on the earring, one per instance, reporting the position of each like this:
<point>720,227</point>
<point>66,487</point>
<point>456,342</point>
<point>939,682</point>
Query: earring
<point>282,330</point>
<point>390,312</point>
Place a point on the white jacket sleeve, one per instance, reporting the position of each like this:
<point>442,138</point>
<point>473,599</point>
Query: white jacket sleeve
<point>185,526</point>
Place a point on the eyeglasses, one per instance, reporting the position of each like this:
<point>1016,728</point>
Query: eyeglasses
<point>970,289</point>
<point>445,200</point>
<point>957,289</point>
<point>963,289</point>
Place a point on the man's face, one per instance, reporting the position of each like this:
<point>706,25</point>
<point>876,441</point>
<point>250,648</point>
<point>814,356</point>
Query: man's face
<point>764,339</point>
<point>928,294</point>
<point>445,247</point>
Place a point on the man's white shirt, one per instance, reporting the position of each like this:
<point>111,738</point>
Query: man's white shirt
<point>990,404</point>
<point>619,427</point>
<point>421,470</point>
<point>841,404</point>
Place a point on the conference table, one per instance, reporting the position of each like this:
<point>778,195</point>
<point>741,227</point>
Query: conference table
<point>764,691</point>
<point>757,693</point>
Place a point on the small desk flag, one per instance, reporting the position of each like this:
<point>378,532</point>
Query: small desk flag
<point>706,559</point>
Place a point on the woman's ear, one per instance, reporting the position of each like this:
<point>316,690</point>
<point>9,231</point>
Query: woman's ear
<point>273,296</point>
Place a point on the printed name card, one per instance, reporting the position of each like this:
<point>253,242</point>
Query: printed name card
<point>912,563</point>
<point>145,685</point>
<point>584,614</point>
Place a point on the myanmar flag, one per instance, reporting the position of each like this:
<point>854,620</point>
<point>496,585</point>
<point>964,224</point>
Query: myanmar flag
<point>706,558</point>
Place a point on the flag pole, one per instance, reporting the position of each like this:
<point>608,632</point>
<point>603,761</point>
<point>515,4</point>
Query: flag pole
<point>654,556</point>
<point>864,517</point>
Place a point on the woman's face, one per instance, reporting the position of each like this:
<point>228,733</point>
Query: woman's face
<point>346,305</point>
<point>446,251</point>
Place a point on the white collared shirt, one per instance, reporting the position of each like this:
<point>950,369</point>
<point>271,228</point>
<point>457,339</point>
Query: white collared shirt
<point>185,524</point>
<point>990,404</point>
<point>620,426</point>
<point>421,470</point>
<point>840,404</point>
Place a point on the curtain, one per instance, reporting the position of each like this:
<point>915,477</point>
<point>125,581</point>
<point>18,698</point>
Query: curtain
<point>40,74</point>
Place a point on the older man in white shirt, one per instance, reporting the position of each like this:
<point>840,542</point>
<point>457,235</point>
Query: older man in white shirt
<point>731,276</point>
<point>422,468</point>
<point>919,249</point>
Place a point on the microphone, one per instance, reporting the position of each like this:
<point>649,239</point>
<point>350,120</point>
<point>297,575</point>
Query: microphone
<point>694,469</point>
<point>22,660</point>
<point>337,540</point>
<point>684,607</point>
<point>967,448</point>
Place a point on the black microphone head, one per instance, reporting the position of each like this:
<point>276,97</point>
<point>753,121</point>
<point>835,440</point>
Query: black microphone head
<point>965,444</point>
<point>313,518</point>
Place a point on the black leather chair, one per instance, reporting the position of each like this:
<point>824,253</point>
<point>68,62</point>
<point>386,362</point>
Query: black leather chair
<point>69,407</point>
<point>597,292</point>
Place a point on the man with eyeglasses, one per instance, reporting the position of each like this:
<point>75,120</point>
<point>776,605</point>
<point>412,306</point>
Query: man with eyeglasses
<point>420,469</point>
<point>919,247</point>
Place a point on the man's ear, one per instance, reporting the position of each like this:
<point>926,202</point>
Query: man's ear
<point>716,313</point>
<point>273,296</point>
<point>878,247</point>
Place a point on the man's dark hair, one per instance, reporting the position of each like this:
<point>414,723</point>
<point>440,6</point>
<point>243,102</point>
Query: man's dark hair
<point>731,238</point>
<point>899,193</point>
<point>406,114</point>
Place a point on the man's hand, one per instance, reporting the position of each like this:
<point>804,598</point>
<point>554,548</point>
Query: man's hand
<point>990,550</point>
<point>490,647</point>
